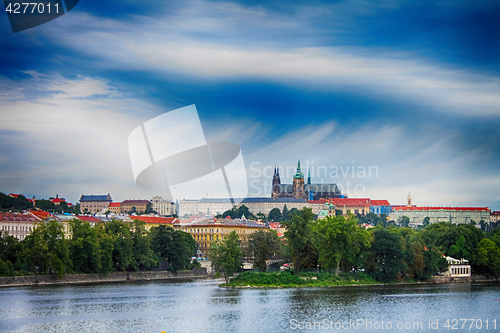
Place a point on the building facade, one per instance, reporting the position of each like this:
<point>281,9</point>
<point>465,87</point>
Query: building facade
<point>455,215</point>
<point>380,207</point>
<point>94,203</point>
<point>18,225</point>
<point>138,206</point>
<point>205,231</point>
<point>114,207</point>
<point>162,207</point>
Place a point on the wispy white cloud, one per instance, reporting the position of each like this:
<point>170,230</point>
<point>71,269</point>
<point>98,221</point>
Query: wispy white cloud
<point>63,143</point>
<point>185,44</point>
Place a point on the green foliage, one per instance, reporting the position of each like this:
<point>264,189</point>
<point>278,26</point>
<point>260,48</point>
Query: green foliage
<point>275,215</point>
<point>226,254</point>
<point>264,244</point>
<point>341,241</point>
<point>237,213</point>
<point>46,250</point>
<point>173,246</point>
<point>404,221</point>
<point>288,279</point>
<point>387,255</point>
<point>18,204</point>
<point>488,257</point>
<point>299,234</point>
<point>145,258</point>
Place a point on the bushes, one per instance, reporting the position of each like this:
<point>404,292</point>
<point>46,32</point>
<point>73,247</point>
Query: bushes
<point>287,279</point>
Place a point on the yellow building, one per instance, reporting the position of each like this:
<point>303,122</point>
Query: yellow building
<point>129,205</point>
<point>206,231</point>
<point>114,207</point>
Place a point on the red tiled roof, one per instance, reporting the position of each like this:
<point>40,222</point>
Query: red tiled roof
<point>114,204</point>
<point>57,200</point>
<point>274,225</point>
<point>444,208</point>
<point>18,217</point>
<point>496,213</point>
<point>345,201</point>
<point>380,203</point>
<point>41,214</point>
<point>14,195</point>
<point>154,219</point>
<point>87,218</point>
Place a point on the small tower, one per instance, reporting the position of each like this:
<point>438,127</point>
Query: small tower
<point>409,200</point>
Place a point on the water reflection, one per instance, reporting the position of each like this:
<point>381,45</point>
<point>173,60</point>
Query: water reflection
<point>201,306</point>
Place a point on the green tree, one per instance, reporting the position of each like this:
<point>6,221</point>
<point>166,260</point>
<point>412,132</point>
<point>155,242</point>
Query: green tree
<point>84,247</point>
<point>434,262</point>
<point>174,247</point>
<point>404,221</point>
<point>226,254</point>
<point>145,258</point>
<point>149,209</point>
<point>340,241</point>
<point>285,215</point>
<point>488,256</point>
<point>298,233</point>
<point>387,255</point>
<point>264,244</point>
<point>123,257</point>
<point>261,216</point>
<point>427,221</point>
<point>19,203</point>
<point>275,215</point>
<point>45,249</point>
<point>10,250</point>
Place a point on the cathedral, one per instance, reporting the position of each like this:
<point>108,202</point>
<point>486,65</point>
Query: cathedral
<point>300,190</point>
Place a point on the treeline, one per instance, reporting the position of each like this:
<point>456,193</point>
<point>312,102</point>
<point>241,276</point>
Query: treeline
<point>20,203</point>
<point>103,248</point>
<point>275,214</point>
<point>387,253</point>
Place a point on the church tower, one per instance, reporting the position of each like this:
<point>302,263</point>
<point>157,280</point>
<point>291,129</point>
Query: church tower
<point>275,190</point>
<point>409,200</point>
<point>298,184</point>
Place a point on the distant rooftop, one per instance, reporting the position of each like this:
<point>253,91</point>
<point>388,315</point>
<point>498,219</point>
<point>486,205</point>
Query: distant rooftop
<point>90,198</point>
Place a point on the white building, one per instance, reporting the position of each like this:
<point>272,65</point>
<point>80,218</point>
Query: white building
<point>458,268</point>
<point>455,215</point>
<point>18,225</point>
<point>162,207</point>
<point>255,205</point>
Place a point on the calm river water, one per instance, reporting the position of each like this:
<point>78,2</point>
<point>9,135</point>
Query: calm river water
<point>201,306</point>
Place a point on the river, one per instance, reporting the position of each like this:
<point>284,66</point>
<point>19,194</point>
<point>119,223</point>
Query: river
<point>201,306</point>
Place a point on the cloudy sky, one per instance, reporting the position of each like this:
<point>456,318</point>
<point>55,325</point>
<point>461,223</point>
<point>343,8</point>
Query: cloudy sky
<point>407,89</point>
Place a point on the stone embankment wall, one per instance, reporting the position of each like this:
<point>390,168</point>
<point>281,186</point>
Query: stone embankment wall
<point>473,278</point>
<point>38,280</point>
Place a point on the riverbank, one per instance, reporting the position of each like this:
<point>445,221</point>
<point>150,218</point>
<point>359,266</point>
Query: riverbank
<point>288,280</point>
<point>37,280</point>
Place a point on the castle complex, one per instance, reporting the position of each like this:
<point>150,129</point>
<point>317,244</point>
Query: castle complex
<point>299,190</point>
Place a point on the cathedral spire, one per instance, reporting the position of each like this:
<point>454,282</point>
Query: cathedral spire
<point>309,177</point>
<point>299,172</point>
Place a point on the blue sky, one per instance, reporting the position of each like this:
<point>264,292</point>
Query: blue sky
<point>409,87</point>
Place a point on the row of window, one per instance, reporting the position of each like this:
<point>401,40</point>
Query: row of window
<point>18,228</point>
